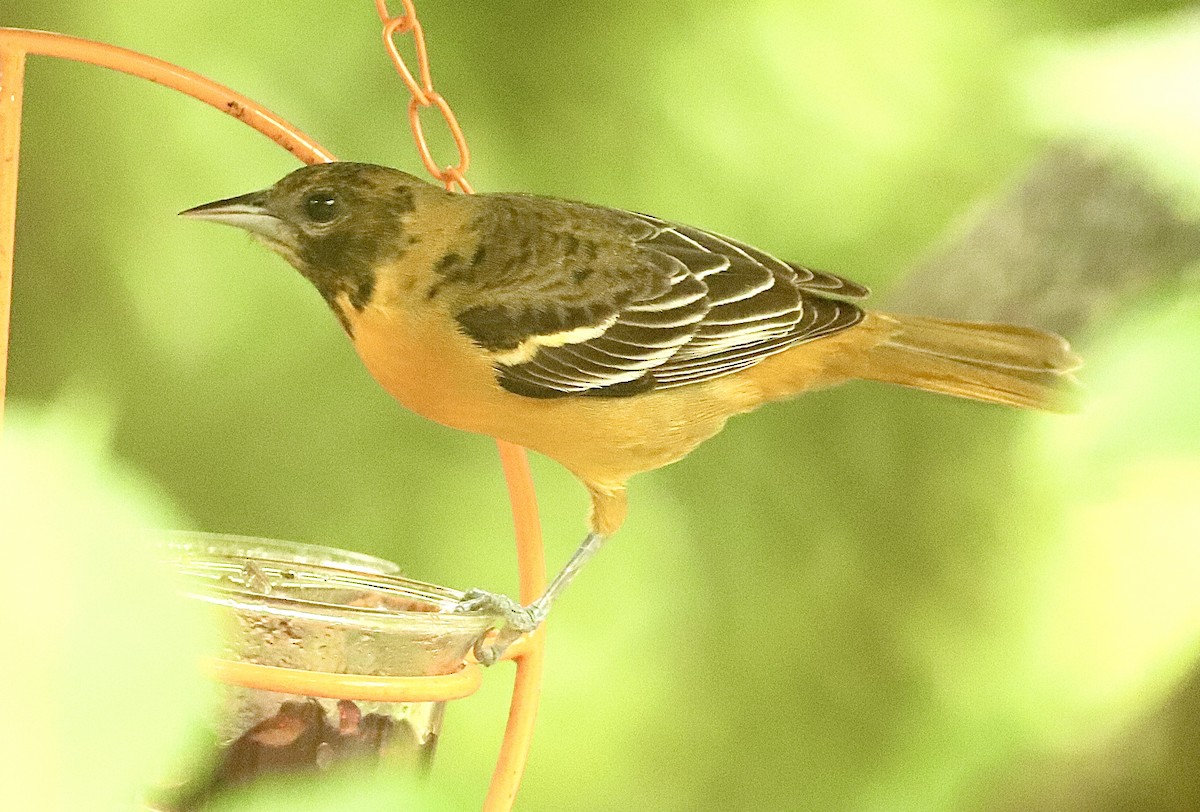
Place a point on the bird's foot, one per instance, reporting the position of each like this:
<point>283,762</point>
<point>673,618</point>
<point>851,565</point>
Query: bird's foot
<point>518,620</point>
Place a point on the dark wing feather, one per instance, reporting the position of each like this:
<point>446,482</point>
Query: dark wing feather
<point>756,321</point>
<point>669,306</point>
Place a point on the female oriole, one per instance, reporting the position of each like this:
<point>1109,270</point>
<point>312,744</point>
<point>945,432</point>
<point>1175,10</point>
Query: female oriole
<point>610,341</point>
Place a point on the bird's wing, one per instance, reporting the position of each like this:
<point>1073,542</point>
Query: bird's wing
<point>680,306</point>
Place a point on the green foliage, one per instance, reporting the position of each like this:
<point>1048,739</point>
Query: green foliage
<point>100,653</point>
<point>362,792</point>
<point>867,599</point>
<point>1117,620</point>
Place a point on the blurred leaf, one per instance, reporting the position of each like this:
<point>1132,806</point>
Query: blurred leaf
<point>101,654</point>
<point>337,791</point>
<point>1117,618</point>
<point>1131,87</point>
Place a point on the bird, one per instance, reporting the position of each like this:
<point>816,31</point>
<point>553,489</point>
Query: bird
<point>610,341</point>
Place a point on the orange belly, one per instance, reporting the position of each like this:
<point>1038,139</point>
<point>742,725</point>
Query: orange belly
<point>437,372</point>
<point>446,378</point>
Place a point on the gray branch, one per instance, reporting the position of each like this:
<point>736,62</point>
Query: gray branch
<point>1080,235</point>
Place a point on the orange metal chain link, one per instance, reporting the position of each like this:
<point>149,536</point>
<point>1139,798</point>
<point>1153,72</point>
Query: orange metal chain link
<point>529,655</point>
<point>423,94</point>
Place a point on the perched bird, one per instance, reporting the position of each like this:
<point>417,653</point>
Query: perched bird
<point>610,341</point>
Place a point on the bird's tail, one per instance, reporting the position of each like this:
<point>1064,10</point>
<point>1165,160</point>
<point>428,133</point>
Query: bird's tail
<point>997,363</point>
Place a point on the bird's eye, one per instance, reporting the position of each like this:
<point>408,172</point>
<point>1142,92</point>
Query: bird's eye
<point>321,207</point>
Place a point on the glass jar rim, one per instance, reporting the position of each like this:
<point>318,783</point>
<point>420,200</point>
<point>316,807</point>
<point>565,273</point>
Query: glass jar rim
<point>201,543</point>
<point>309,581</point>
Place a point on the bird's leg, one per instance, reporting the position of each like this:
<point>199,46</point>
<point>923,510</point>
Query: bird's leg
<point>518,619</point>
<point>608,512</point>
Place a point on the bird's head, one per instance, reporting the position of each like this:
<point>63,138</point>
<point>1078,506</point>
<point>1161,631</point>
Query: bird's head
<point>334,222</point>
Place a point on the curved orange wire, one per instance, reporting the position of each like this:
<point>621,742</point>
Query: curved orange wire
<point>12,85</point>
<point>530,660</point>
<point>46,43</point>
<point>359,687</point>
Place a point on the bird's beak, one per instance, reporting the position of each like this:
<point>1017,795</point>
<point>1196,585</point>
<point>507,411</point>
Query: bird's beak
<point>245,211</point>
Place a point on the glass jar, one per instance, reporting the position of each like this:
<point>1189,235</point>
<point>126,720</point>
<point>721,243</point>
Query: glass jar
<point>292,609</point>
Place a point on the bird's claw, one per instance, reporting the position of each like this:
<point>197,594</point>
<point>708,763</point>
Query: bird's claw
<point>518,620</point>
<point>522,618</point>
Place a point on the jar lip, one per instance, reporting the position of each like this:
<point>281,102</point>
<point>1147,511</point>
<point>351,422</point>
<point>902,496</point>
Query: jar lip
<point>253,578</point>
<point>289,577</point>
<point>202,543</point>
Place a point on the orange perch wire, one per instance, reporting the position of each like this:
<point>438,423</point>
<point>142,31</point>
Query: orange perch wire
<point>12,84</point>
<point>46,43</point>
<point>358,687</point>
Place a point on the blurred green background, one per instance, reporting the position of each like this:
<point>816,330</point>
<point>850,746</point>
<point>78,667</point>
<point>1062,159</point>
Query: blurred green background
<point>868,599</point>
